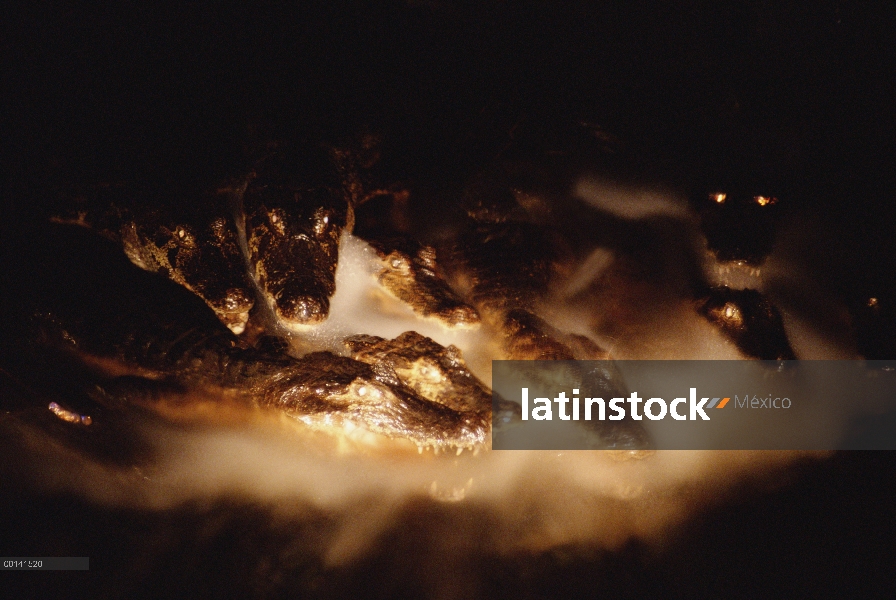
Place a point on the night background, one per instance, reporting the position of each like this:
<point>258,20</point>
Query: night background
<point>796,98</point>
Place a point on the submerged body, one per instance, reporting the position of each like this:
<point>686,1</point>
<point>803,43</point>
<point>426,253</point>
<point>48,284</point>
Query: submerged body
<point>411,273</point>
<point>277,234</point>
<point>109,317</point>
<point>185,236</point>
<point>295,210</point>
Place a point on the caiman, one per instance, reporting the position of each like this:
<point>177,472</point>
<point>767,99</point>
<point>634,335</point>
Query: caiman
<point>87,304</point>
<point>268,242</point>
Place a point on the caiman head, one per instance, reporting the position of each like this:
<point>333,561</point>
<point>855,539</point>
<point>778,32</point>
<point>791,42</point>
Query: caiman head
<point>196,246</point>
<point>740,223</point>
<point>294,218</point>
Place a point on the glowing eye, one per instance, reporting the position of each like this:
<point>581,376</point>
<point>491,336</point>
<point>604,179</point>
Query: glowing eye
<point>764,200</point>
<point>872,302</point>
<point>181,233</point>
<point>718,198</point>
<point>731,314</point>
<point>274,218</point>
<point>396,263</point>
<point>326,220</point>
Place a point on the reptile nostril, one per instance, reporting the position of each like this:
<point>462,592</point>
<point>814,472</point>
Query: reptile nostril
<point>237,300</point>
<point>302,309</point>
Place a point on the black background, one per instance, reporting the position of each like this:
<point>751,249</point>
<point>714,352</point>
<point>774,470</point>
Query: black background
<point>798,96</point>
<point>795,97</point>
<point>797,91</point>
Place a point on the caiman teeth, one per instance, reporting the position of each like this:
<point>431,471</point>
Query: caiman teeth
<point>236,322</point>
<point>458,450</point>
<point>452,493</point>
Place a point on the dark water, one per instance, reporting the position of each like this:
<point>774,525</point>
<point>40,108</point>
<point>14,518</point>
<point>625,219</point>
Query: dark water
<point>830,529</point>
<point>793,97</point>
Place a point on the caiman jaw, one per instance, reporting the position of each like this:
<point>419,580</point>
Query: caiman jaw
<point>366,409</point>
<point>234,309</point>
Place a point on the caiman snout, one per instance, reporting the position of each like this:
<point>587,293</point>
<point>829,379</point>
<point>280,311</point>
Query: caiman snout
<point>233,309</point>
<point>301,309</point>
<point>237,300</point>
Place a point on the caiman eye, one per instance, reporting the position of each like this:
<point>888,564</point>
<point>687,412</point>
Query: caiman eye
<point>321,222</point>
<point>218,227</point>
<point>220,231</point>
<point>730,315</point>
<point>277,218</point>
<point>399,262</point>
<point>182,236</point>
<point>718,197</point>
<point>764,200</point>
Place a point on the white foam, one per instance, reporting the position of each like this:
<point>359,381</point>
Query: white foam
<point>361,306</point>
<point>631,203</point>
<point>535,499</point>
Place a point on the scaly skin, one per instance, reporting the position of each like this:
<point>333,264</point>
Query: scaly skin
<point>411,273</point>
<point>295,209</point>
<point>748,319</point>
<point>185,237</point>
<point>294,216</point>
<point>112,316</point>
<point>506,260</point>
<point>432,371</point>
